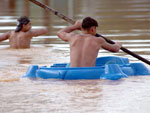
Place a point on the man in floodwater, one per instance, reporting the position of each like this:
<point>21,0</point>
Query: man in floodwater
<point>84,47</point>
<point>21,37</point>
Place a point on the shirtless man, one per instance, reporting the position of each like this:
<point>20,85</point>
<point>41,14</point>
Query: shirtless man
<point>84,47</point>
<point>21,37</point>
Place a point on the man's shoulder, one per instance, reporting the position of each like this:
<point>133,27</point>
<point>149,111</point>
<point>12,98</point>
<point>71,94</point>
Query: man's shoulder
<point>19,34</point>
<point>8,33</point>
<point>73,35</point>
<point>12,32</point>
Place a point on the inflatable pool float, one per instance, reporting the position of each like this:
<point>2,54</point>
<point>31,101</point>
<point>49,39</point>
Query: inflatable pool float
<point>108,67</point>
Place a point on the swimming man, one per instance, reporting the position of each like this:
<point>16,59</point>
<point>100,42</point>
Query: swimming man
<point>21,37</point>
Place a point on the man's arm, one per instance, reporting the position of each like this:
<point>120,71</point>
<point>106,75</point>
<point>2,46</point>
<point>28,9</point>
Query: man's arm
<point>4,36</point>
<point>38,32</point>
<point>110,47</point>
<point>66,33</point>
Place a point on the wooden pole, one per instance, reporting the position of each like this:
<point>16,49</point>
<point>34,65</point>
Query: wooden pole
<point>98,35</point>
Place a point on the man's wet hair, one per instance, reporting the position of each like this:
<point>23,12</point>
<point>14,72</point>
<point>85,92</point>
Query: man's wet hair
<point>22,20</point>
<point>89,22</point>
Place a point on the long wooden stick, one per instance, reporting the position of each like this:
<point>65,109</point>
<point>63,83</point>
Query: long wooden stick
<point>98,35</point>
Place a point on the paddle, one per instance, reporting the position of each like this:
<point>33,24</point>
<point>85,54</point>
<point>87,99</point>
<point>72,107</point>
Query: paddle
<point>98,35</point>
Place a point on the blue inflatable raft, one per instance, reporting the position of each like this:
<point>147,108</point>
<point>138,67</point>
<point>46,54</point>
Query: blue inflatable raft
<point>109,67</point>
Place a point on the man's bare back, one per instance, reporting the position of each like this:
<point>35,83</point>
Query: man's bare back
<point>22,37</point>
<point>84,47</point>
<point>83,50</point>
<point>19,40</point>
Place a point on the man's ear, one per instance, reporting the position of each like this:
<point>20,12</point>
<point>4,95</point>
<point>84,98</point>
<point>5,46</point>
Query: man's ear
<point>92,29</point>
<point>23,26</point>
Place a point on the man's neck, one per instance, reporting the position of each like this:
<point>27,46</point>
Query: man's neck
<point>24,30</point>
<point>87,33</point>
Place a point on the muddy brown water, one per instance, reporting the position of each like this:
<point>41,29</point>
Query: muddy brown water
<point>127,21</point>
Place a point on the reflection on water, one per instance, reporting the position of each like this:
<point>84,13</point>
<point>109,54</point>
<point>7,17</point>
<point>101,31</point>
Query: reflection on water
<point>127,21</point>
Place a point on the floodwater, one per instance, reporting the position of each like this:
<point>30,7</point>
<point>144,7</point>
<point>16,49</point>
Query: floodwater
<point>126,21</point>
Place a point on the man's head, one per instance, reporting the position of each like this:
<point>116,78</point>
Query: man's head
<point>89,25</point>
<point>23,24</point>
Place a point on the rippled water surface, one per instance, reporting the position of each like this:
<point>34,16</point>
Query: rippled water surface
<point>126,21</point>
